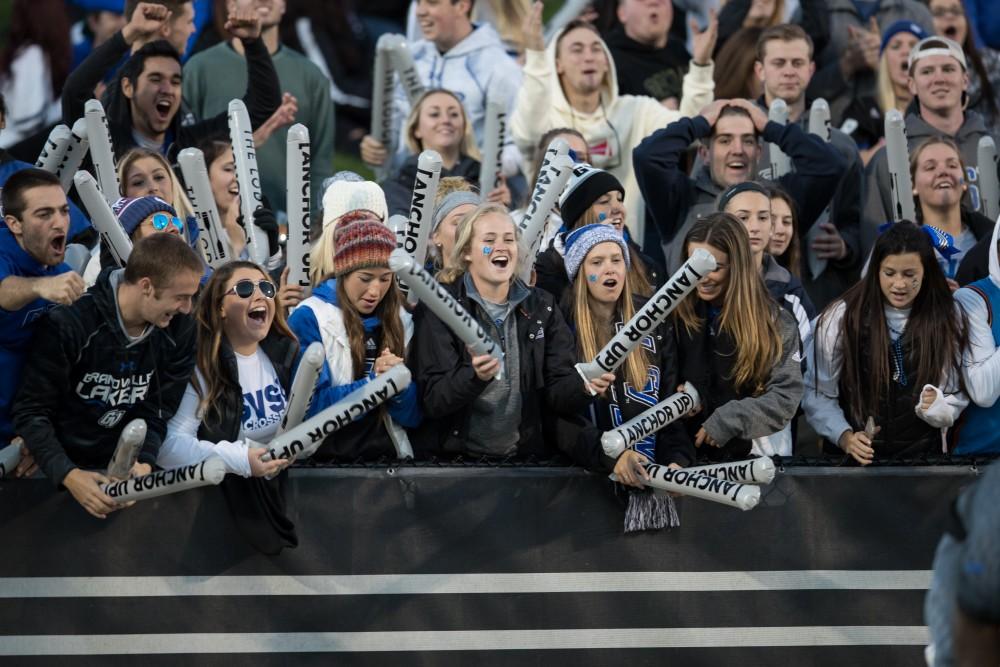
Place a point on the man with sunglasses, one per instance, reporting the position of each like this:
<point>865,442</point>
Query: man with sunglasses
<point>123,351</point>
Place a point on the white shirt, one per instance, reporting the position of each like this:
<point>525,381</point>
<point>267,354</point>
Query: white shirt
<point>981,364</point>
<point>264,405</point>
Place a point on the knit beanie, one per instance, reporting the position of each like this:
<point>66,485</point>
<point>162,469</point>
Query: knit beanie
<point>361,242</point>
<point>580,241</point>
<point>131,211</point>
<point>586,186</point>
<point>898,27</point>
<point>452,201</point>
<point>346,193</point>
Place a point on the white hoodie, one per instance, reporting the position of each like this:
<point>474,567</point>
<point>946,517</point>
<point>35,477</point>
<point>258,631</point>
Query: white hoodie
<point>613,130</point>
<point>472,69</point>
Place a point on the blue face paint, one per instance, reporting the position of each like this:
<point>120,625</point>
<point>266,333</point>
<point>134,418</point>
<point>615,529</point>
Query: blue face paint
<point>592,278</point>
<point>487,249</point>
<point>601,217</point>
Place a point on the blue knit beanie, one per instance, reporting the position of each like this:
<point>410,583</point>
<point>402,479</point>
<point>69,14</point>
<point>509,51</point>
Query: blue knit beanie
<point>901,26</point>
<point>131,211</point>
<point>580,241</point>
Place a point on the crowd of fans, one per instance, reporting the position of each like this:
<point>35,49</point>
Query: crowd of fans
<point>821,329</point>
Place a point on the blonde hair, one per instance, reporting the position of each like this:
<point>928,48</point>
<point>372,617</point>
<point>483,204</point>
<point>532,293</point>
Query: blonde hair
<point>450,184</point>
<point>415,146</point>
<point>748,312</point>
<point>321,256</point>
<point>885,92</point>
<point>592,335</point>
<point>457,263</point>
<point>180,202</point>
<point>508,18</point>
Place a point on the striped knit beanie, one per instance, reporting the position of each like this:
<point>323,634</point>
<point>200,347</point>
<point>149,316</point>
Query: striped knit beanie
<point>580,241</point>
<point>361,241</point>
<point>131,211</point>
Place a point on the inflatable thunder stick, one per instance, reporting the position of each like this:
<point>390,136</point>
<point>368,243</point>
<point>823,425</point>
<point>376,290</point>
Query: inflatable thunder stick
<point>751,471</point>
<point>650,316</point>
<point>164,482</point>
<point>303,386</point>
<point>101,153</point>
<point>441,303</point>
<point>212,239</point>
<point>650,421</point>
<point>819,125</point>
<point>552,180</point>
<point>103,218</point>
<point>301,441</point>
<point>383,85</point>
<point>298,200</point>
<point>781,164</point>
<point>989,188</point>
<point>494,129</point>
<point>10,457</point>
<point>402,61</point>
<point>55,147</point>
<point>685,482</point>
<point>898,159</point>
<point>425,185</point>
<point>76,149</point>
<point>127,452</point>
<point>248,176</point>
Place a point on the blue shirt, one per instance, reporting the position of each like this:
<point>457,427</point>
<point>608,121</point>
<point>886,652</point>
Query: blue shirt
<point>17,326</point>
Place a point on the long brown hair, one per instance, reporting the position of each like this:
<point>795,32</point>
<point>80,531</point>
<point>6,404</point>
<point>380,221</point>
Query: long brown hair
<point>592,334</point>
<point>748,313</point>
<point>936,331</point>
<point>791,259</point>
<point>208,322</point>
<point>387,311</point>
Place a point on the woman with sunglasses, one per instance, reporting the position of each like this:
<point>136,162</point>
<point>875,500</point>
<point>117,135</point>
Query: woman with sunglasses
<point>139,217</point>
<point>245,361</point>
<point>356,312</point>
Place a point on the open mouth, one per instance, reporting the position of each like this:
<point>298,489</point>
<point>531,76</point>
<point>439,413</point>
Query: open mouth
<point>163,109</point>
<point>258,314</point>
<point>610,283</point>
<point>500,261</point>
<point>736,165</point>
<point>951,32</point>
<point>58,243</point>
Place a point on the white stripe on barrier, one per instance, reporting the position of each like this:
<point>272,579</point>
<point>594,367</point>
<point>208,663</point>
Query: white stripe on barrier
<point>464,640</point>
<point>491,583</point>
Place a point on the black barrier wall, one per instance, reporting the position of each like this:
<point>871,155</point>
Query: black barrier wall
<point>484,566</point>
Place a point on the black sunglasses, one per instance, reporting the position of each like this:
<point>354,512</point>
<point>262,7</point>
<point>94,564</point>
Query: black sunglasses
<point>244,288</point>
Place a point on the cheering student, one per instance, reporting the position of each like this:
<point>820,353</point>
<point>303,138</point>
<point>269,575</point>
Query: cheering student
<point>593,196</point>
<point>784,245</point>
<point>357,313</point>
<point>144,102</point>
<point>939,82</point>
<point>889,350</point>
<point>474,403</point>
<point>438,123</point>
<point>938,174</point>
<point>346,192</point>
<point>738,348</point>
<point>732,130</point>
<point>145,173</point>
<point>33,275</point>
<point>245,360</point>
<point>123,351</point>
<point>601,301</point>
<point>750,203</point>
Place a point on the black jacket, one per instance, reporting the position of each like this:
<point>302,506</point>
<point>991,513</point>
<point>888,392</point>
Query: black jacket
<point>674,200</point>
<point>448,384</point>
<point>84,380</point>
<point>976,263</point>
<point>647,70</point>
<point>262,98</point>
<point>399,188</point>
<point>257,504</point>
<point>581,439</point>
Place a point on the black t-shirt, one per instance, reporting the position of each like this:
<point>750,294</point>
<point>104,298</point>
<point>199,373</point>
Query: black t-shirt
<point>645,70</point>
